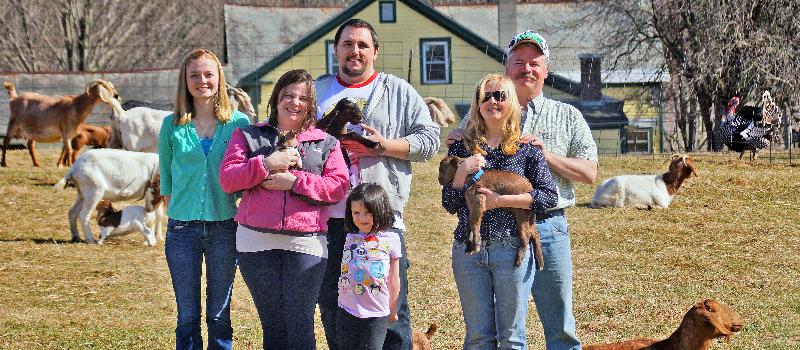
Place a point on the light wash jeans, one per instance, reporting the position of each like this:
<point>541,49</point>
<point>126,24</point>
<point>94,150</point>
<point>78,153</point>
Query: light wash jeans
<point>552,287</point>
<point>187,244</point>
<point>494,294</point>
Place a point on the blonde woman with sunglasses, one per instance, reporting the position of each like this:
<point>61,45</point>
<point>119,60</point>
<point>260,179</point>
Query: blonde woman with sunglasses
<point>494,294</point>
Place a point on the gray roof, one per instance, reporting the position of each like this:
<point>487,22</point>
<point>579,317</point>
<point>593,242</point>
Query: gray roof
<point>256,34</point>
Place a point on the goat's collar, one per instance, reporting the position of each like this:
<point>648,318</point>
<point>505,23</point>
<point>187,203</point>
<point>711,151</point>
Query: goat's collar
<point>472,180</point>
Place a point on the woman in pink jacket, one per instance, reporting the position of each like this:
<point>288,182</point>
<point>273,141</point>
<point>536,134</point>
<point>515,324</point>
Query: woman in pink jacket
<point>283,215</point>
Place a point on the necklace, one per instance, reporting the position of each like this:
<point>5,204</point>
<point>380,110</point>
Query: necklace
<point>203,134</point>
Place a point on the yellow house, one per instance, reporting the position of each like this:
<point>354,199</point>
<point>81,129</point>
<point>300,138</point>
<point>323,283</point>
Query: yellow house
<point>437,55</point>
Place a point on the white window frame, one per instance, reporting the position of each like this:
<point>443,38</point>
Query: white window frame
<point>424,45</point>
<point>331,64</point>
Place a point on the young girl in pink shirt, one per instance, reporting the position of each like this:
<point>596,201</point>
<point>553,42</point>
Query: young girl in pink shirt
<point>370,276</point>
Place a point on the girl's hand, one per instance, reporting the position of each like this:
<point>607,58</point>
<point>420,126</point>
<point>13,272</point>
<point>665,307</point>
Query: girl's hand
<point>472,164</point>
<point>393,317</point>
<point>279,181</point>
<point>492,198</point>
<point>279,161</point>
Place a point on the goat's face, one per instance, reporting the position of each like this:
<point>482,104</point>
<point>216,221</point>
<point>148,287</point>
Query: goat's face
<point>722,318</point>
<point>287,139</point>
<point>447,169</point>
<point>152,194</point>
<point>683,166</point>
<point>345,111</point>
<point>240,100</point>
<point>106,215</point>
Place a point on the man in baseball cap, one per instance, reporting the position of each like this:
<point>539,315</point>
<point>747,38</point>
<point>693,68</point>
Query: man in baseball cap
<point>562,133</point>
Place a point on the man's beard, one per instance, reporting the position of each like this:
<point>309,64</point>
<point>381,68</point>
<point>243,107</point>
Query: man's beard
<point>354,73</point>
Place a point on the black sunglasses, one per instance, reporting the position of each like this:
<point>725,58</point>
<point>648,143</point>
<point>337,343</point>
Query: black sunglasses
<point>498,95</point>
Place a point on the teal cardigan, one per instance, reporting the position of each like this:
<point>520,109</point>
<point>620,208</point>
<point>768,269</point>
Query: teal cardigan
<point>189,176</point>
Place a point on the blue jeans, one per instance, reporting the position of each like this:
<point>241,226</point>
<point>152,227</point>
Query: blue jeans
<point>494,294</point>
<point>552,287</point>
<point>398,336</point>
<point>284,286</point>
<point>187,244</point>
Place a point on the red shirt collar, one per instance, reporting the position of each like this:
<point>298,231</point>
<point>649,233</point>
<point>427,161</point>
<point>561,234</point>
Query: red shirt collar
<point>350,86</point>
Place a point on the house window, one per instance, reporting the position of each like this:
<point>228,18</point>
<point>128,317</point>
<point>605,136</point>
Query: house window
<point>387,12</point>
<point>435,61</point>
<point>639,140</point>
<point>331,64</point>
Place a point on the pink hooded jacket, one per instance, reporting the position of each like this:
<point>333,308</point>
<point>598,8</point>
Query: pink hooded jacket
<point>285,212</point>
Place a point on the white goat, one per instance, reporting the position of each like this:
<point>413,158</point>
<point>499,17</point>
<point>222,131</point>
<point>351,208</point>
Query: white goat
<point>645,191</point>
<point>41,118</point>
<point>110,174</point>
<point>137,129</point>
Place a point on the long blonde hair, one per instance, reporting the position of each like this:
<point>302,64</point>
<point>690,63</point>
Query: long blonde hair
<point>475,132</point>
<point>184,106</point>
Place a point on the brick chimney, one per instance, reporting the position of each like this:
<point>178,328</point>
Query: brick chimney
<point>591,82</point>
<point>506,22</point>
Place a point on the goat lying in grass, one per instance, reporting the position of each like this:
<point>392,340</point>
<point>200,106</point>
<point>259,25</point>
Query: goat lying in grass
<point>96,136</point>
<point>645,191</point>
<point>422,341</point>
<point>502,182</point>
<point>41,118</point>
<point>705,321</point>
<point>130,219</point>
<point>110,174</point>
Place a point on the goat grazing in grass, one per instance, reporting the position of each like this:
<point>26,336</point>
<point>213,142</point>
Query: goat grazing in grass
<point>111,174</point>
<point>502,182</point>
<point>705,321</point>
<point>96,136</point>
<point>645,191</point>
<point>41,118</point>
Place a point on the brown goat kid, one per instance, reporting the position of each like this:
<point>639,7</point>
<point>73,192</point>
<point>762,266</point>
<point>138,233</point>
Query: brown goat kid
<point>41,118</point>
<point>502,182</point>
<point>335,122</point>
<point>422,341</point>
<point>705,321</point>
<point>96,136</point>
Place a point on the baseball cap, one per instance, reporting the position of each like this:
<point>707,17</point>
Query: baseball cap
<point>529,36</point>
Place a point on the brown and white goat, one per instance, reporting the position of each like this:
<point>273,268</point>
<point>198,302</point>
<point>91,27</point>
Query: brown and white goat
<point>96,136</point>
<point>440,112</point>
<point>502,182</point>
<point>645,191</point>
<point>41,118</point>
<point>704,322</point>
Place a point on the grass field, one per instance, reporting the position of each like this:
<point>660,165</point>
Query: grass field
<point>732,233</point>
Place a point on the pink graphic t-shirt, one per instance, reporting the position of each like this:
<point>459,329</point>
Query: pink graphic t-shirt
<point>363,283</point>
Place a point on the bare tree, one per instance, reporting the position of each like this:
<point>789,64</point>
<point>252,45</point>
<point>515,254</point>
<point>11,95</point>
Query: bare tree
<point>713,50</point>
<point>84,35</point>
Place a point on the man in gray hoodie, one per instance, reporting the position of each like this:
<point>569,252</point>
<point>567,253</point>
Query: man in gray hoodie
<point>396,117</point>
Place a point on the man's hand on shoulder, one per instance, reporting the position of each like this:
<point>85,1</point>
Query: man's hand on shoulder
<point>456,134</point>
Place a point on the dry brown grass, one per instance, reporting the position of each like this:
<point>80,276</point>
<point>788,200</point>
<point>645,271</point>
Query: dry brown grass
<point>731,234</point>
